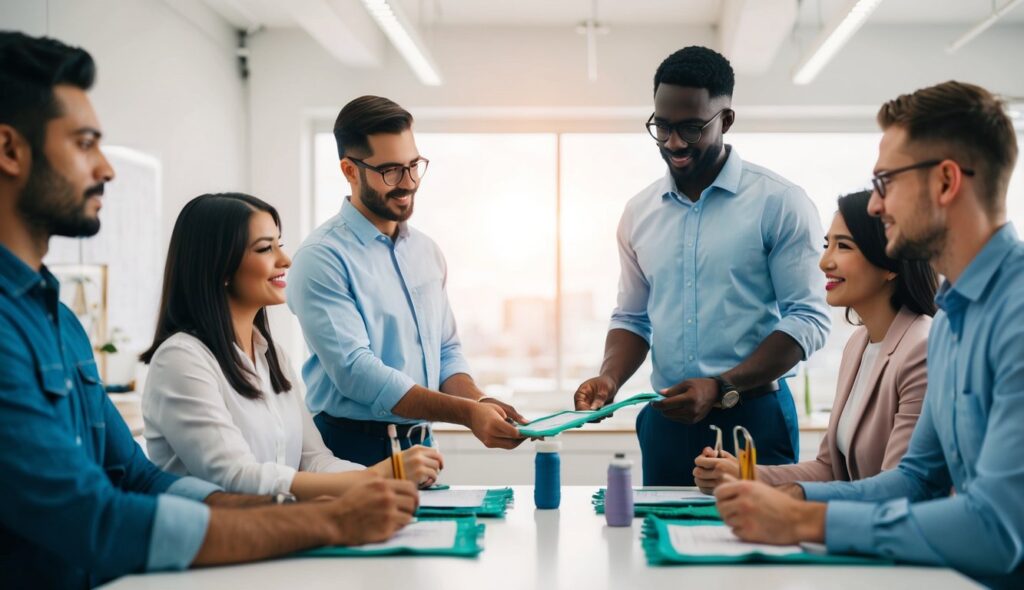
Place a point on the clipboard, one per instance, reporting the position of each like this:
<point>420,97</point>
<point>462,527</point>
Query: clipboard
<point>561,421</point>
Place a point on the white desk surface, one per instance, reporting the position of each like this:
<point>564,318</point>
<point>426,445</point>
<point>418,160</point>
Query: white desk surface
<point>566,548</point>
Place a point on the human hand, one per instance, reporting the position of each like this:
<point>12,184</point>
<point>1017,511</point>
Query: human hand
<point>422,465</point>
<point>594,393</point>
<point>759,513</point>
<point>510,412</point>
<point>688,401</point>
<point>371,511</point>
<point>711,470</point>
<point>488,423</point>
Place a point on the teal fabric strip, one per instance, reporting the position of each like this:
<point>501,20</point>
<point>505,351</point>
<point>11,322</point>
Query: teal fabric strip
<point>659,550</point>
<point>467,544</point>
<point>583,417</point>
<point>675,511</point>
<point>495,503</point>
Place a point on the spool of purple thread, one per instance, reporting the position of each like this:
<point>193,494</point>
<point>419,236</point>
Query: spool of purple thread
<point>618,499</point>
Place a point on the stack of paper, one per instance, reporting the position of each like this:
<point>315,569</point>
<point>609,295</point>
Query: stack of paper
<point>693,542</point>
<point>666,502</point>
<point>459,537</point>
<point>459,502</point>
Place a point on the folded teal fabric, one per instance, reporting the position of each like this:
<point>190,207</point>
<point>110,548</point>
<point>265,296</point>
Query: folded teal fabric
<point>467,543</point>
<point>561,421</point>
<point>672,511</point>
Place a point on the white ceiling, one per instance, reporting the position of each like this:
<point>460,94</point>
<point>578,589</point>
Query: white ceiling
<point>274,13</point>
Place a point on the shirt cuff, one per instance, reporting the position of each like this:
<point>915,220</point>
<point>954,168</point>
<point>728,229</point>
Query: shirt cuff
<point>849,527</point>
<point>393,390</point>
<point>192,488</point>
<point>815,491</point>
<point>179,528</point>
<point>798,330</point>
<point>453,367</point>
<point>636,328</point>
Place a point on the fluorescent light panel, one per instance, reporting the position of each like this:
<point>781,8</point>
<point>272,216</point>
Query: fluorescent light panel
<point>982,26</point>
<point>831,41</point>
<point>403,36</point>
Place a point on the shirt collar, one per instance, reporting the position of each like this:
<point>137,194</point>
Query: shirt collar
<point>728,178</point>
<point>17,278</point>
<point>363,228</point>
<point>983,268</point>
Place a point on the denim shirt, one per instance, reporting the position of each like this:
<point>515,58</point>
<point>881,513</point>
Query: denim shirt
<point>968,439</point>
<point>80,503</point>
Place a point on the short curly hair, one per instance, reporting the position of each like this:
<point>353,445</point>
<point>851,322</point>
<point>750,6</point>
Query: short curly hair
<point>697,67</point>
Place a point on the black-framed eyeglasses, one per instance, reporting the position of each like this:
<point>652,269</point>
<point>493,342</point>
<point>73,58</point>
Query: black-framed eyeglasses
<point>392,175</point>
<point>688,132</point>
<point>880,181</point>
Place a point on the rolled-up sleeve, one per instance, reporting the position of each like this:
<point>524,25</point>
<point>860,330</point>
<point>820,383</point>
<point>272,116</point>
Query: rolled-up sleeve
<point>179,528</point>
<point>320,295</point>
<point>630,312</point>
<point>792,231</point>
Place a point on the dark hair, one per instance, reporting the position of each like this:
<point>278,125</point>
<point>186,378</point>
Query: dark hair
<point>915,279</point>
<point>971,126</point>
<point>30,67</point>
<point>697,67</point>
<point>365,116</point>
<point>207,245</point>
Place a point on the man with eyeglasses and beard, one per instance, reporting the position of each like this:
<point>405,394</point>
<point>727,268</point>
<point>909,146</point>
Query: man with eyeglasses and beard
<point>956,499</point>
<point>719,281</point>
<point>369,292</point>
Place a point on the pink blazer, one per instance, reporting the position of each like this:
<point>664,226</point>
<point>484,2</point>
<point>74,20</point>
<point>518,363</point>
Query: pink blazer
<point>883,426</point>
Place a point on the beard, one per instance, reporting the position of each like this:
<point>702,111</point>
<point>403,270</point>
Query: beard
<point>703,160</point>
<point>925,241</point>
<point>378,203</point>
<point>48,203</point>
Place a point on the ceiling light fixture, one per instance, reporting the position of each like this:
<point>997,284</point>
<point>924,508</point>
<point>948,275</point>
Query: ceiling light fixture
<point>997,13</point>
<point>402,34</point>
<point>833,38</point>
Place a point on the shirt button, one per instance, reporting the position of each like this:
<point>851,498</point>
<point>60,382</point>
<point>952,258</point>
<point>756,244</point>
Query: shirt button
<point>689,244</point>
<point>689,321</point>
<point>696,209</point>
<point>78,440</point>
<point>42,284</point>
<point>689,283</point>
<point>68,383</point>
<point>690,357</point>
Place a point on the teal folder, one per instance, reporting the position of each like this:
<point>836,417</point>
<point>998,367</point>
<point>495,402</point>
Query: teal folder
<point>468,534</point>
<point>494,504</point>
<point>659,548</point>
<point>672,511</point>
<point>561,421</point>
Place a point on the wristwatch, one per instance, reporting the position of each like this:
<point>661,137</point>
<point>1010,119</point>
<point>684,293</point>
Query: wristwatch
<point>281,498</point>
<point>728,395</point>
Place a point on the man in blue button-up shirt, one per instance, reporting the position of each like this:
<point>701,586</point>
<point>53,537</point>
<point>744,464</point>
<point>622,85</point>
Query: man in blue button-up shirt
<point>369,292</point>
<point>719,281</point>
<point>957,497</point>
<point>79,501</point>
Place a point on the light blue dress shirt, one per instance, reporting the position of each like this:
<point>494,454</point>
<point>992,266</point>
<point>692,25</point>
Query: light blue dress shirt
<point>375,315</point>
<point>969,438</point>
<point>704,283</point>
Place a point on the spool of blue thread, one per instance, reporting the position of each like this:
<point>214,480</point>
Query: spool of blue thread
<point>618,499</point>
<point>547,481</point>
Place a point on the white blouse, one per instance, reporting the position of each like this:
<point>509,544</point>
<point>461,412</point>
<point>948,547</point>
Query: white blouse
<point>197,424</point>
<point>858,397</point>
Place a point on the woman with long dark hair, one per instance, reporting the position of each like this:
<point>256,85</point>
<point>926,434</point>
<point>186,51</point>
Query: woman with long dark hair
<point>220,402</point>
<point>882,376</point>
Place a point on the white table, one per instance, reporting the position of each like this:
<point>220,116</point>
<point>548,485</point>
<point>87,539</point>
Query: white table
<point>567,548</point>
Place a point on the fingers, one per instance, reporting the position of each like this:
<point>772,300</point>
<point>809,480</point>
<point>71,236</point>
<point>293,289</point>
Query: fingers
<point>677,389</point>
<point>583,399</point>
<point>405,495</point>
<point>512,413</point>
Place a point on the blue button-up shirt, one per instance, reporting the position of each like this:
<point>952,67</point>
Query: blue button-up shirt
<point>969,438</point>
<point>375,315</point>
<point>705,282</point>
<point>79,502</point>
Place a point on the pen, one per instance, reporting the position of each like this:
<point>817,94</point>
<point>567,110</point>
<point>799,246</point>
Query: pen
<point>747,455</point>
<point>397,469</point>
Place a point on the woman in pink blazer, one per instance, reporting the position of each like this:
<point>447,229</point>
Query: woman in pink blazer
<point>882,376</point>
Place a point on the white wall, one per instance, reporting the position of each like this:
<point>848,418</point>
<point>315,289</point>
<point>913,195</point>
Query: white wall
<point>168,85</point>
<point>294,82</point>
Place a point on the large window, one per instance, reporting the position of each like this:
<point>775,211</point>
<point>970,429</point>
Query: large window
<point>527,223</point>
